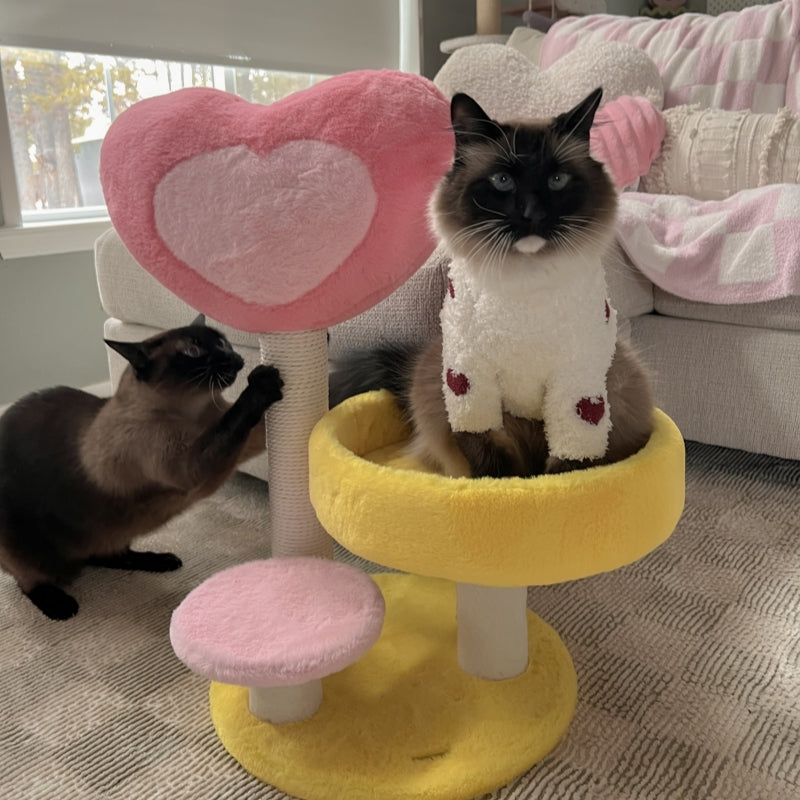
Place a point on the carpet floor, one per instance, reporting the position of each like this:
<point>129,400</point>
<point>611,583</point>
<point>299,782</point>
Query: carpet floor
<point>688,661</point>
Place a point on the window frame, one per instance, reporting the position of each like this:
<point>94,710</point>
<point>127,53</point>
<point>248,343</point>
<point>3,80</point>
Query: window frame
<point>19,239</point>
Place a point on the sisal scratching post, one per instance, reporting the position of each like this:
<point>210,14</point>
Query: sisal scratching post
<point>302,359</point>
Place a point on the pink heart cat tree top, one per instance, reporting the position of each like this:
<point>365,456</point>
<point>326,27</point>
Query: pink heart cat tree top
<point>287,217</point>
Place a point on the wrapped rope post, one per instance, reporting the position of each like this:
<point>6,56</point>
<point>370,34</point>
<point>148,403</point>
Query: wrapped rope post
<point>302,358</point>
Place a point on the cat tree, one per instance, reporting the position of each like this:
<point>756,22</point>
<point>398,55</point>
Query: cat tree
<point>283,220</point>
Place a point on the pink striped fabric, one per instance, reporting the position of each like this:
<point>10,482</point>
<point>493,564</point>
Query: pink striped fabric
<point>747,59</point>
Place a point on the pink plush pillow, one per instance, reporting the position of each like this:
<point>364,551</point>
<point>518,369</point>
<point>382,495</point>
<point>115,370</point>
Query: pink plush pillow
<point>293,216</point>
<point>627,136</point>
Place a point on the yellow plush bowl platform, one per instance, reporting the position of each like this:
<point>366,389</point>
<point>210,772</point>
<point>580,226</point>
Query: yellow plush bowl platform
<point>387,508</point>
<point>405,722</point>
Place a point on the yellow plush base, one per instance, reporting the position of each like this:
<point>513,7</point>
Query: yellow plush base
<point>405,721</point>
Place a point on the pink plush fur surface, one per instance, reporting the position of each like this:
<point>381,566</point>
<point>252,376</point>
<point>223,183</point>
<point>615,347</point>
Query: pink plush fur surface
<point>279,621</point>
<point>292,216</point>
<point>627,136</point>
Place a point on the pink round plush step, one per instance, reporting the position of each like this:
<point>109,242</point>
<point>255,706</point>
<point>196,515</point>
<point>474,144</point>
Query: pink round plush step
<point>277,622</point>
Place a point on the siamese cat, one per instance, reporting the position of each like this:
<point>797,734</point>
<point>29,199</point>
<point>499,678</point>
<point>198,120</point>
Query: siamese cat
<point>523,205</point>
<point>81,476</point>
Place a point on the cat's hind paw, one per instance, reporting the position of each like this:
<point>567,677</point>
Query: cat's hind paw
<point>53,602</point>
<point>556,466</point>
<point>140,561</point>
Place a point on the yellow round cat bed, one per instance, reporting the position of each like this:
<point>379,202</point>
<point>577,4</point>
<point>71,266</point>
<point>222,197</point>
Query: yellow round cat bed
<point>386,507</point>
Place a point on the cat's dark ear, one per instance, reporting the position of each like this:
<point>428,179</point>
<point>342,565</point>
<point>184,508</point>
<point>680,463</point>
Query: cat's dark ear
<point>578,121</point>
<point>200,319</point>
<point>135,353</point>
<point>469,120</point>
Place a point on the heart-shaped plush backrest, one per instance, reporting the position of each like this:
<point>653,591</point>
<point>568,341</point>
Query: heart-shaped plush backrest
<point>292,216</point>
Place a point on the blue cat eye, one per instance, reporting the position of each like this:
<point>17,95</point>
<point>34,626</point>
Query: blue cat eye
<point>558,180</point>
<point>502,181</point>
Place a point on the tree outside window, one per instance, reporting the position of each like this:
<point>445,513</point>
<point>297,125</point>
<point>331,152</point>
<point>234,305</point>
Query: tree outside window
<point>61,104</point>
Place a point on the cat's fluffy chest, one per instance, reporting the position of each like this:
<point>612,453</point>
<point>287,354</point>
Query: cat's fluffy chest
<point>537,345</point>
<point>548,304</point>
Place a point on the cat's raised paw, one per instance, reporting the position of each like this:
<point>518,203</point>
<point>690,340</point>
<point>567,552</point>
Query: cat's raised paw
<point>267,381</point>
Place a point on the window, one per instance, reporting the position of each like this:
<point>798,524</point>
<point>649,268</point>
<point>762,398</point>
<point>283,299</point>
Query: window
<point>57,99</point>
<point>61,104</point>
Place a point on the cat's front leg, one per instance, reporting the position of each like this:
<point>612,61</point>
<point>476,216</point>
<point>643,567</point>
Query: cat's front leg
<point>472,396</point>
<point>220,447</point>
<point>577,423</point>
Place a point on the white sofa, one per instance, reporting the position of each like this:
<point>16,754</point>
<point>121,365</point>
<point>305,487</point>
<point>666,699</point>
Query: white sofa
<point>728,375</point>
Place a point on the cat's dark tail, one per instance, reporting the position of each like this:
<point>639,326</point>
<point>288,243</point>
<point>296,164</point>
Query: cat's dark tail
<point>388,366</point>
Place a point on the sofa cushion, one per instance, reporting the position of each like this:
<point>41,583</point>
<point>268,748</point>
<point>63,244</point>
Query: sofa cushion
<point>410,314</point>
<point>781,315</point>
<point>129,293</point>
<point>728,385</point>
<point>630,292</point>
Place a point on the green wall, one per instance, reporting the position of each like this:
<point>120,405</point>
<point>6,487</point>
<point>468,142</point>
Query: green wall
<point>51,324</point>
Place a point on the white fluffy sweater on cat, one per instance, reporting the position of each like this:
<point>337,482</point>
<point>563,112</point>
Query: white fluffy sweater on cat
<point>534,338</point>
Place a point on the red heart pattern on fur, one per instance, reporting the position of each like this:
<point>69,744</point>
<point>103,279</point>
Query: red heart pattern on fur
<point>591,409</point>
<point>458,383</point>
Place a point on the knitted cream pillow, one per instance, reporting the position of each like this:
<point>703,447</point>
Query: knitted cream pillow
<point>711,154</point>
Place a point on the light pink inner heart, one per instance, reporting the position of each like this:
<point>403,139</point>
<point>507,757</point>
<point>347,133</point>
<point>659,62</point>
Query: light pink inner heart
<point>266,228</point>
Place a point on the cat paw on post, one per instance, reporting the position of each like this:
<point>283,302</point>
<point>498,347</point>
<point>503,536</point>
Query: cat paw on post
<point>267,381</point>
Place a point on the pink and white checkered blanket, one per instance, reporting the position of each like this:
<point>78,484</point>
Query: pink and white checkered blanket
<point>747,59</point>
<point>743,249</point>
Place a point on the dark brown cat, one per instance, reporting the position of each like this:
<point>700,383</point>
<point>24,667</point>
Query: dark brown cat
<point>81,477</point>
<point>522,203</point>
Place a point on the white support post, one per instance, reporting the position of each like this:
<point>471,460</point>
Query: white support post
<point>279,704</point>
<point>302,358</point>
<point>492,630</point>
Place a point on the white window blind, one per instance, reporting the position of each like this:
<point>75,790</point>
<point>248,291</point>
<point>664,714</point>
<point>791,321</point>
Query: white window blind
<point>326,37</point>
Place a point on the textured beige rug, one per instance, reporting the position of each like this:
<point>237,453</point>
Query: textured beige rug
<point>688,662</point>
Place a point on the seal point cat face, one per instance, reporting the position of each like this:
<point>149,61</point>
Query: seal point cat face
<point>194,357</point>
<point>524,188</point>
